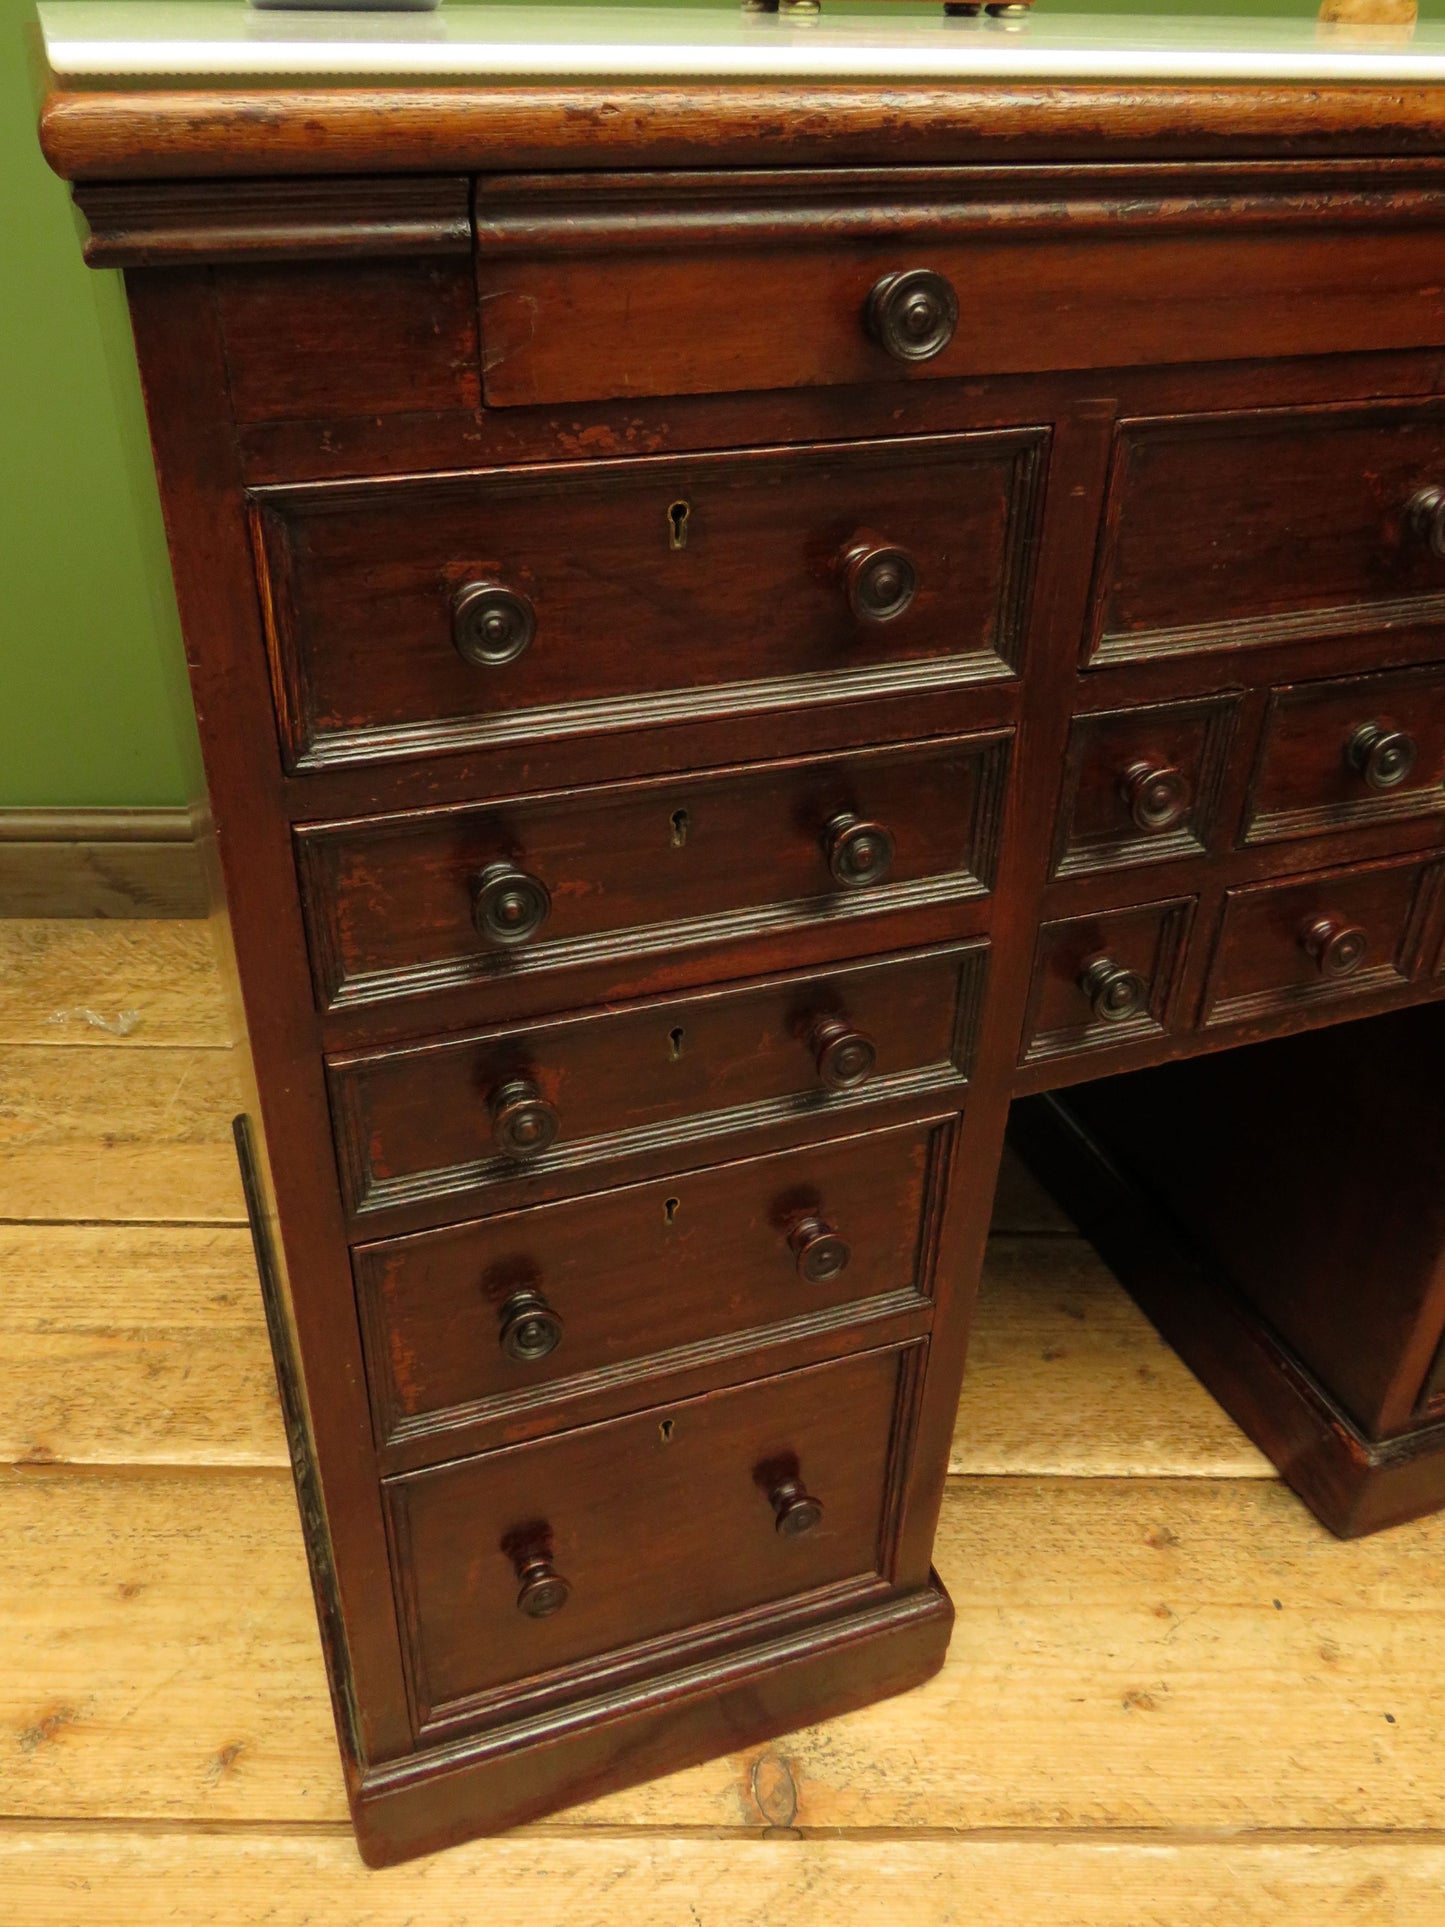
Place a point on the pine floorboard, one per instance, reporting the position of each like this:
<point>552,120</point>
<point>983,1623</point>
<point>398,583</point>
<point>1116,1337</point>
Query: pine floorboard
<point>1171,1696</point>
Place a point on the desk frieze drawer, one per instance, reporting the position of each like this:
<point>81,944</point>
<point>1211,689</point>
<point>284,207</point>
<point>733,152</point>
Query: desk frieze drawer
<point>1349,752</point>
<point>1316,939</point>
<point>429,614</point>
<point>710,282</point>
<point>540,1105</point>
<point>1233,532</point>
<point>499,1319</point>
<point>785,853</point>
<point>526,1572</point>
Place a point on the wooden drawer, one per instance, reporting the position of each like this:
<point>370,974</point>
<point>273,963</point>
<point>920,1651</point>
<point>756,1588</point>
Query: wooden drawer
<point>663,870</point>
<point>593,1293</point>
<point>1105,980</point>
<point>428,614</point>
<point>1231,532</point>
<point>1341,933</point>
<point>459,1115</point>
<point>580,1519</point>
<point>1358,750</point>
<point>637,285</point>
<point>1142,785</point>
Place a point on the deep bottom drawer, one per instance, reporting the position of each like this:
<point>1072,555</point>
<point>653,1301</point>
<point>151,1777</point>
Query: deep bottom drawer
<point>549,1555</point>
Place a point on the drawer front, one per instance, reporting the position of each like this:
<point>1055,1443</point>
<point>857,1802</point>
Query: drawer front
<point>1106,980</point>
<point>461,1114</point>
<point>1099,291</point>
<point>1238,531</point>
<point>1342,933</point>
<point>1142,785</point>
<point>499,1316</point>
<point>602,876</point>
<point>655,1523</point>
<point>423,615</point>
<point>1358,750</point>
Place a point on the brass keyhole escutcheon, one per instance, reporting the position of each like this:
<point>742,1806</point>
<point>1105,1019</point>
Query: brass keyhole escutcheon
<point>677,519</point>
<point>674,1043</point>
<point>680,827</point>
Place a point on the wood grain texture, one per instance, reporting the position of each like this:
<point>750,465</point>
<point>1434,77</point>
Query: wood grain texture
<point>99,863</point>
<point>157,134</point>
<point>1201,1655</point>
<point>143,1134</point>
<point>1067,1378</point>
<point>79,1876</point>
<point>80,981</point>
<point>139,1345</point>
<point>146,1345</point>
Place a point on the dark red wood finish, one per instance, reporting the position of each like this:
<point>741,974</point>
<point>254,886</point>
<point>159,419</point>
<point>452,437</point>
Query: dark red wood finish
<point>679,766</point>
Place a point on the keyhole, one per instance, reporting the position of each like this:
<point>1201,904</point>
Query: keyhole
<point>664,1431</point>
<point>679,828</point>
<point>674,1044</point>
<point>677,524</point>
<point>669,1209</point>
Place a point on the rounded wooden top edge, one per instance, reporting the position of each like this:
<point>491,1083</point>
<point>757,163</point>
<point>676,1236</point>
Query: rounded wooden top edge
<point>238,133</point>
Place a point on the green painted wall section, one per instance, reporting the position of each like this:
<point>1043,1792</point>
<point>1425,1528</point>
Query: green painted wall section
<point>89,710</point>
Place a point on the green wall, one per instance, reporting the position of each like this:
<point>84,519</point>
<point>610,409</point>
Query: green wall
<point>87,625</point>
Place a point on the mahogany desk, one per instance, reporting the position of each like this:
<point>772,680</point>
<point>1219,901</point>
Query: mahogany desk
<point>738,627</point>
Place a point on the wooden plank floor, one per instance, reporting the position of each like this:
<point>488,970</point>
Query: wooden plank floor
<point>1171,1696</point>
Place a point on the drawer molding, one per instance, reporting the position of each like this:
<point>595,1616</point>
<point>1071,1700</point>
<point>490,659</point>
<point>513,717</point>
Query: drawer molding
<point>438,526</point>
<point>756,1021</point>
<point>1411,698</point>
<point>430,857</point>
<point>383,1194</point>
<point>1316,893</point>
<point>429,1302</point>
<point>743,1624</point>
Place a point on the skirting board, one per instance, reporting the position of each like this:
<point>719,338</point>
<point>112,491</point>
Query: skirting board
<point>100,863</point>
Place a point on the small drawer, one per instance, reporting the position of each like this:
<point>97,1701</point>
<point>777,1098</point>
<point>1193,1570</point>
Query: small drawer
<point>1341,933</point>
<point>598,1545</point>
<point>1362,749</point>
<point>427,614</point>
<point>461,1115</point>
<point>1142,785</point>
<point>493,1318</point>
<point>1106,980</point>
<point>1231,532</point>
<point>662,869</point>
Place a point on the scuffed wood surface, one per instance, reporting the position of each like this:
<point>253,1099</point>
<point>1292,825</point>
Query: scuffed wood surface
<point>129,1134</point>
<point>150,1879</point>
<point>138,983</point>
<point>135,1344</point>
<point>1129,1653</point>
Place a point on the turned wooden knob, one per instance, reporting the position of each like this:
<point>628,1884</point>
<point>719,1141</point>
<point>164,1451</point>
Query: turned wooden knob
<point>858,852</point>
<point>491,625</point>
<point>523,1122</point>
<point>795,1510</point>
<point>1114,993</point>
<point>543,1590</point>
<point>879,577</point>
<point>530,1329</point>
<point>844,1056</point>
<point>508,905</point>
<point>1425,518</point>
<point>1338,948</point>
<point>912,315</point>
<point>820,1253</point>
<point>1384,757</point>
<point>1157,795</point>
